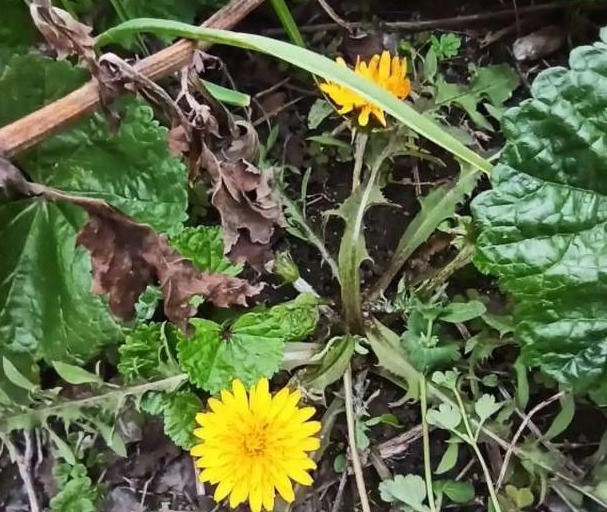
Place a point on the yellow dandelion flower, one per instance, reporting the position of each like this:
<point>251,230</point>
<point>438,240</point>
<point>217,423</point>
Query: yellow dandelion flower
<point>255,444</point>
<point>387,72</point>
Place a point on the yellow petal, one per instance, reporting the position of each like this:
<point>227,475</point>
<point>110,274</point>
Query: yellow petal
<point>239,493</point>
<point>255,499</point>
<point>283,486</point>
<point>363,117</point>
<point>384,67</point>
<point>267,495</point>
<point>223,489</point>
<point>379,115</point>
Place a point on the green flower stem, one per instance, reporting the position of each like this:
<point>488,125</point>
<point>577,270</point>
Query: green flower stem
<point>359,153</point>
<point>426,444</point>
<point>471,440</point>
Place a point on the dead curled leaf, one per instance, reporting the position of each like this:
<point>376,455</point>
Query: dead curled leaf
<point>243,194</point>
<point>127,256</point>
<point>67,35</point>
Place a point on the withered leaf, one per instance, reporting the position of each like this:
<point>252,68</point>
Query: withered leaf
<point>127,256</point>
<point>242,193</point>
<point>67,35</point>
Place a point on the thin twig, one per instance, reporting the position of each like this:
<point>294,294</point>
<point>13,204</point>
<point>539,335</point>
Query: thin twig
<point>519,432</point>
<point>454,22</point>
<point>340,492</point>
<point>356,465</point>
<point>359,160</point>
<point>334,16</point>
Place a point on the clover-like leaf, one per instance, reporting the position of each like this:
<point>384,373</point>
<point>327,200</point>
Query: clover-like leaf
<point>486,406</point>
<point>252,347</point>
<point>408,490</point>
<point>44,277</point>
<point>447,417</point>
<point>542,226</point>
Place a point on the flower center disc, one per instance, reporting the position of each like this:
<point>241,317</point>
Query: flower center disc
<point>255,443</point>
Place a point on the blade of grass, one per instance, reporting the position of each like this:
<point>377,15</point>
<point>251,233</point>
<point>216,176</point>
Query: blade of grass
<point>315,64</point>
<point>228,96</point>
<point>288,23</point>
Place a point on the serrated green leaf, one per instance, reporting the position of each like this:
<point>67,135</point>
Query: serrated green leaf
<point>485,407</point>
<point>457,492</point>
<point>495,83</point>
<point>449,458</point>
<point>353,248</point>
<point>447,417</point>
<point>392,356</point>
<point>251,348</point>
<point>146,353</point>
<point>542,227</point>
<point>76,492</point>
<point>178,410</point>
<point>147,303</point>
<point>45,277</point>
<point>522,497</point>
<point>204,246</point>
<point>319,111</point>
<point>74,374</point>
<point>409,490</point>
<point>458,312</point>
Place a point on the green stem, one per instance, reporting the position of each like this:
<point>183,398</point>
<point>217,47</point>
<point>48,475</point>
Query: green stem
<point>426,444</point>
<point>471,439</point>
<point>123,16</point>
<point>359,154</point>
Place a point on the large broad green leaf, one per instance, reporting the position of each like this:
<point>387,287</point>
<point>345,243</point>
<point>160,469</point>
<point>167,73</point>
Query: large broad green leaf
<point>543,227</point>
<point>251,348</point>
<point>46,306</point>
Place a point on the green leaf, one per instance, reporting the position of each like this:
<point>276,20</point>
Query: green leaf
<point>522,497</point>
<point>227,96</point>
<point>440,204</point>
<point>447,417</point>
<point>178,409</point>
<point>315,64</point>
<point>427,358</point>
<point>340,463</point>
<point>449,458</point>
<point>494,83</point>
<point>353,248</point>
<point>251,348</point>
<point>446,46</point>
<point>430,65</point>
<point>563,419</point>
<point>457,492</point>
<point>392,356</point>
<point>542,227</point>
<point>147,303</point>
<point>204,246</point>
<point>63,449</point>
<point>409,490</point>
<point>16,25</point>
<point>74,374</point>
<point>485,407</point>
<point>76,491</point>
<point>146,353</point>
<point>319,111</point>
<point>15,376</point>
<point>458,312</point>
<point>333,364</point>
<point>45,277</point>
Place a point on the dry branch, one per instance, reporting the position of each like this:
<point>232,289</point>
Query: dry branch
<point>35,127</point>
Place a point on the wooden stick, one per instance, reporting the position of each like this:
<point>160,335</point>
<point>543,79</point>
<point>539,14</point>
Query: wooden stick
<point>35,127</point>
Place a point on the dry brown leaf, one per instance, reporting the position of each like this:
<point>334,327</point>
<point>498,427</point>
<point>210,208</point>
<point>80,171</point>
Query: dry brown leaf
<point>64,33</point>
<point>127,256</point>
<point>242,193</point>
